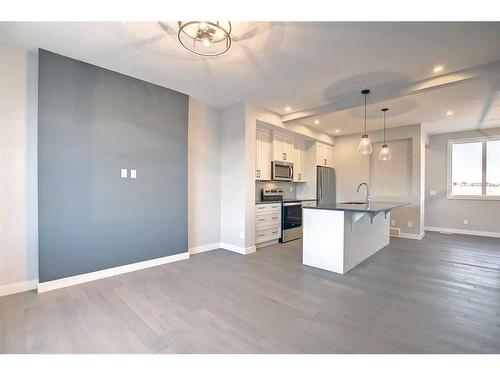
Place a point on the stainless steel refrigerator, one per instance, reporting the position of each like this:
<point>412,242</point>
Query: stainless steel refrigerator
<point>325,185</point>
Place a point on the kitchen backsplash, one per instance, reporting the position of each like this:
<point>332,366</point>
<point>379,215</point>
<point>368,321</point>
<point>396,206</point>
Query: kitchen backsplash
<point>286,186</point>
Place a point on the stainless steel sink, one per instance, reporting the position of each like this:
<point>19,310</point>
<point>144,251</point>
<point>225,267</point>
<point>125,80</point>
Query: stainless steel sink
<point>353,203</point>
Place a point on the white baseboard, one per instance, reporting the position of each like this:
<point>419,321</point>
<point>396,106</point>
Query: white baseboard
<point>412,236</point>
<point>237,249</point>
<point>464,231</point>
<point>22,286</point>
<point>91,276</point>
<point>202,249</point>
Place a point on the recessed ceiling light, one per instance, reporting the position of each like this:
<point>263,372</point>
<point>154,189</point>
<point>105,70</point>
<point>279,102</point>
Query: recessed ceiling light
<point>449,113</point>
<point>337,130</point>
<point>438,68</point>
<point>316,122</point>
<point>288,108</point>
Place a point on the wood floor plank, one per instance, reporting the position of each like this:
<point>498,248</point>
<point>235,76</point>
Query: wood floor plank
<point>437,295</point>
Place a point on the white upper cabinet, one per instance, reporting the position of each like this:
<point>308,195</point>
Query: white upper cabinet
<point>324,155</point>
<point>263,155</point>
<point>282,147</point>
<point>299,161</point>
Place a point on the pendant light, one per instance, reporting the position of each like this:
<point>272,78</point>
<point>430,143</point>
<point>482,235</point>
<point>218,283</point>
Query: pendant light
<point>365,146</point>
<point>385,154</point>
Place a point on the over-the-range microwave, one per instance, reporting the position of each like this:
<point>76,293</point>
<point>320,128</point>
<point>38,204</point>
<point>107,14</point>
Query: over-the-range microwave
<point>282,171</point>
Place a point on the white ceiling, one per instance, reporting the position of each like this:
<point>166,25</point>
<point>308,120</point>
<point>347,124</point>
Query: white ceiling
<point>301,64</point>
<point>475,104</point>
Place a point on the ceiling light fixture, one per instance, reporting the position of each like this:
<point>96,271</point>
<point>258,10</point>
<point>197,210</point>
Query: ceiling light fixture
<point>337,130</point>
<point>205,38</point>
<point>385,154</point>
<point>438,68</point>
<point>316,122</point>
<point>449,113</point>
<point>288,108</point>
<point>365,146</point>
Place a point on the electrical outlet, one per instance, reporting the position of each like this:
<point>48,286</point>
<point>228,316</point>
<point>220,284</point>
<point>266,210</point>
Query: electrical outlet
<point>291,189</point>
<point>393,223</point>
<point>123,173</point>
<point>133,173</point>
<point>242,235</point>
<point>410,224</point>
<point>433,192</point>
<point>466,221</point>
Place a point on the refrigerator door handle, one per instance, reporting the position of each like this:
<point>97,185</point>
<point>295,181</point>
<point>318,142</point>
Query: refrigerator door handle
<point>319,187</point>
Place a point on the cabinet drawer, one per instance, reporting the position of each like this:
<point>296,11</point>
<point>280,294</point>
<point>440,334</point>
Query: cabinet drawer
<point>267,235</point>
<point>267,208</point>
<point>268,220</point>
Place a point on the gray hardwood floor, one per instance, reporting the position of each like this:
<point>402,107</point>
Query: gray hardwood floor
<point>437,295</point>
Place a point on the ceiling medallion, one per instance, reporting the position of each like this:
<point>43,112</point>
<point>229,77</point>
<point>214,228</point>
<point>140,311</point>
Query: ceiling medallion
<point>205,38</point>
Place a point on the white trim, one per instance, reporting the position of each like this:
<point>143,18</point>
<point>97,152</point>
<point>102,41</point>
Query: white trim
<point>412,236</point>
<point>464,231</point>
<point>237,249</point>
<point>91,276</point>
<point>203,248</point>
<point>20,287</point>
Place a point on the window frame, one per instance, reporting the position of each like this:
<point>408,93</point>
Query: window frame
<point>449,161</point>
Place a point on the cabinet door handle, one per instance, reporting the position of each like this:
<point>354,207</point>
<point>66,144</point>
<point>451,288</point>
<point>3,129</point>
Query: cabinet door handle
<point>300,176</point>
<point>274,218</point>
<point>261,220</point>
<point>275,231</point>
<point>262,235</point>
<point>284,156</point>
<point>325,162</point>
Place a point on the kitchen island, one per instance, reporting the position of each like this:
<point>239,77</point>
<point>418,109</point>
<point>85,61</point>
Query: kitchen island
<point>337,237</point>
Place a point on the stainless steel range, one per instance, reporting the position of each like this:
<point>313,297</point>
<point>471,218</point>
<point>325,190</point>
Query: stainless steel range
<point>291,220</point>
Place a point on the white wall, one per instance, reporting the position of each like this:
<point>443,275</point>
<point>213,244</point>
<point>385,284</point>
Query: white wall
<point>204,188</point>
<point>441,212</point>
<point>233,175</point>
<point>18,171</point>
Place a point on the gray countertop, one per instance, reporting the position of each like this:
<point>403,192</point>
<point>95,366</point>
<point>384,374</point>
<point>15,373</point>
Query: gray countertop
<point>362,207</point>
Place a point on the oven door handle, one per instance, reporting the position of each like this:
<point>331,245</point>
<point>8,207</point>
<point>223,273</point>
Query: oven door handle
<point>292,204</point>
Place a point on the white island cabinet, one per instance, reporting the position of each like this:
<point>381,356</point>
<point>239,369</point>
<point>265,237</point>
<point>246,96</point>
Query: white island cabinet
<point>338,237</point>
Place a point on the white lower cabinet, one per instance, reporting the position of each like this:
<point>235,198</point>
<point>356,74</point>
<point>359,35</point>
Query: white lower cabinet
<point>267,222</point>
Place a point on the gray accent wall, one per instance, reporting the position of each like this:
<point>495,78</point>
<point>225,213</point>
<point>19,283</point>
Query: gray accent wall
<point>441,212</point>
<point>93,122</point>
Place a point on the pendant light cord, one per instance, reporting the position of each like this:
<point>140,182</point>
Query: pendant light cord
<point>384,112</point>
<point>365,111</point>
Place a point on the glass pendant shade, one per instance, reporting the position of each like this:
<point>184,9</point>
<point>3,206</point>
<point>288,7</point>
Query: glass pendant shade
<point>365,146</point>
<point>385,153</point>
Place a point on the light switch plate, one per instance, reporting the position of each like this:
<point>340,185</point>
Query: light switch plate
<point>466,221</point>
<point>124,173</point>
<point>433,192</point>
<point>393,223</point>
<point>410,224</point>
<point>133,173</point>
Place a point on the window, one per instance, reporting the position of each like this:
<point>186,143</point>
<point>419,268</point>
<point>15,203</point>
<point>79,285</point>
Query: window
<point>474,169</point>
